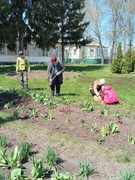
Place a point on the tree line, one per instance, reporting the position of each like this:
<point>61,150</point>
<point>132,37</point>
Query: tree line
<point>46,22</point>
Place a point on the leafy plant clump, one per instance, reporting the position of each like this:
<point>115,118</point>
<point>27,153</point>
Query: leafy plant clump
<point>37,171</point>
<point>61,176</point>
<point>131,138</point>
<point>112,127</point>
<point>128,174</point>
<point>86,106</point>
<point>51,156</point>
<point>85,169</point>
<point>3,141</point>
<point>10,161</point>
<point>25,150</point>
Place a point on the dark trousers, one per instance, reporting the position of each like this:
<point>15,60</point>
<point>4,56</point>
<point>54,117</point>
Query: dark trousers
<point>92,92</point>
<point>55,85</point>
<point>23,75</point>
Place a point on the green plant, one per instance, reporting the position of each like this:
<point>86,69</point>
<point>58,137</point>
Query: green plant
<point>33,112</point>
<point>37,171</point>
<point>12,160</point>
<point>105,110</point>
<point>2,177</point>
<point>125,157</point>
<point>85,169</point>
<point>50,103</point>
<point>116,64</point>
<point>15,114</point>
<point>112,127</point>
<point>39,97</point>
<point>3,141</point>
<point>131,138</point>
<point>100,140</point>
<point>128,174</point>
<point>51,156</point>
<point>63,100</point>
<point>8,105</point>
<point>94,127</point>
<point>86,106</point>
<point>117,114</point>
<point>103,131</point>
<point>61,176</point>
<point>16,174</point>
<point>24,150</point>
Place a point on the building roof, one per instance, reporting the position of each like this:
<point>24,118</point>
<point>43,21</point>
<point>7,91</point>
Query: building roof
<point>95,43</point>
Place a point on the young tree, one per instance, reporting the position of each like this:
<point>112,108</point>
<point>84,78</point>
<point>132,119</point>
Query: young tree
<point>116,65</point>
<point>128,62</point>
<point>71,23</point>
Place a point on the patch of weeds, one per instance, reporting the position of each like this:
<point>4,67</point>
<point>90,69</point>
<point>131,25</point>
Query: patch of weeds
<point>51,157</point>
<point>125,157</point>
<point>24,93</point>
<point>128,174</point>
<point>24,150</point>
<point>85,169</point>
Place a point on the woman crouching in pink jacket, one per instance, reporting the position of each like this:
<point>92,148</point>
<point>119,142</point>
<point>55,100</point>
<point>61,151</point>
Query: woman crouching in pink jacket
<point>108,95</point>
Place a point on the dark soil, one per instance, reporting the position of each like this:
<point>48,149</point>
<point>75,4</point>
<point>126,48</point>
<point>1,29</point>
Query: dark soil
<point>69,132</point>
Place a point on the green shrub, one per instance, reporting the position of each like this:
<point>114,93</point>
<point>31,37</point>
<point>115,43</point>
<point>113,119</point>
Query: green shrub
<point>117,61</point>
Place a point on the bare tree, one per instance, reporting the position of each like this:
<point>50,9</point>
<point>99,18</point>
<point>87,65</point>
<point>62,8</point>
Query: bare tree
<point>94,13</point>
<point>115,17</point>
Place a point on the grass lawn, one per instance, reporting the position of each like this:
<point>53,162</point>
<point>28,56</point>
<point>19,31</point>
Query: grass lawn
<point>77,88</point>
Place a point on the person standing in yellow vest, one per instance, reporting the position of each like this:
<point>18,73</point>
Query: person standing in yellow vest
<point>23,68</point>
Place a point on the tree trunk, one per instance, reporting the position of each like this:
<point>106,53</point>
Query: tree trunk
<point>20,40</point>
<point>102,52</point>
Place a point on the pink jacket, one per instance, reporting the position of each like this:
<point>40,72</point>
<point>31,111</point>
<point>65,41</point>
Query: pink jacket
<point>109,96</point>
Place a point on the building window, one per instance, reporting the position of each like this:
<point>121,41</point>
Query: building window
<point>45,53</point>
<point>74,52</point>
<point>91,52</point>
<point>2,49</point>
<point>98,51</point>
